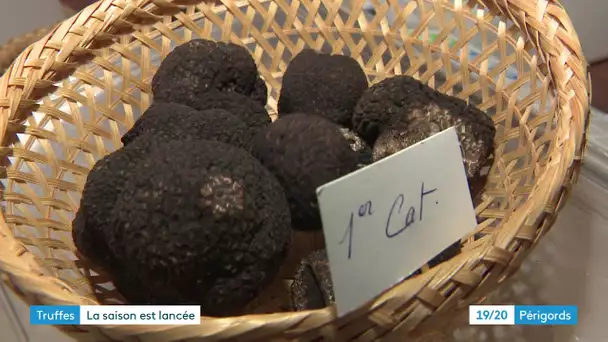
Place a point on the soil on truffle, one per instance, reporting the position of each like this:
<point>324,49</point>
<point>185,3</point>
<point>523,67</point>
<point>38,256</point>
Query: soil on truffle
<point>312,287</point>
<point>322,84</point>
<point>171,121</point>
<point>199,66</point>
<point>304,152</point>
<point>200,223</point>
<point>250,112</point>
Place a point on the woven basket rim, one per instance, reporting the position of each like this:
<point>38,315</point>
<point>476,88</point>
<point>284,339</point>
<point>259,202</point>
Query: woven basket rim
<point>544,22</point>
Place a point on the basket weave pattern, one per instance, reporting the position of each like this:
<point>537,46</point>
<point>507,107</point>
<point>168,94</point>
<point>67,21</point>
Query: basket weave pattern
<point>55,127</point>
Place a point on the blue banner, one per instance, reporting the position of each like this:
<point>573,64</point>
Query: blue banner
<point>54,314</point>
<point>546,315</point>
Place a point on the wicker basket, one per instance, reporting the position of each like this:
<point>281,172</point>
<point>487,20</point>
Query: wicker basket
<point>67,99</point>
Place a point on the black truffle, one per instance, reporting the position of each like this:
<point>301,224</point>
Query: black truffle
<point>385,102</point>
<point>172,121</point>
<point>322,84</point>
<point>250,112</point>
<point>304,152</point>
<point>199,66</point>
<point>200,223</point>
<point>312,287</point>
<point>474,128</point>
<point>358,145</point>
<point>403,120</point>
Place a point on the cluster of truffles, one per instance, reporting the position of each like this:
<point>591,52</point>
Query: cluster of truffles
<point>199,205</point>
<point>183,213</point>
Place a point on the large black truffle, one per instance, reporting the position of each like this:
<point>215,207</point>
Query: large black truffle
<point>327,85</point>
<point>304,152</point>
<point>200,223</point>
<point>249,111</point>
<point>199,66</point>
<point>171,121</point>
<point>312,287</point>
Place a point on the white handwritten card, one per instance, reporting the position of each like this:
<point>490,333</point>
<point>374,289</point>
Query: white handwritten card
<point>383,222</point>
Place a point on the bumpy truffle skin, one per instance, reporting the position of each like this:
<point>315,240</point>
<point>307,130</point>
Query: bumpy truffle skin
<point>171,121</point>
<point>474,128</point>
<point>201,223</point>
<point>199,66</point>
<point>403,112</point>
<point>358,145</point>
<point>312,287</point>
<point>322,84</point>
<point>304,152</point>
<point>383,102</point>
<point>250,112</point>
<point>103,185</point>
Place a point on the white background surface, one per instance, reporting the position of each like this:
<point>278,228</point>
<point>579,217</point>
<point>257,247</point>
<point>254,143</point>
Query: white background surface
<point>589,18</point>
<point>568,267</point>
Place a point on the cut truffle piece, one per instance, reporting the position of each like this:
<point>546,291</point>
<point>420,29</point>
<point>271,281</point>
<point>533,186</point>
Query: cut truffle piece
<point>322,84</point>
<point>312,287</point>
<point>250,112</point>
<point>172,121</point>
<point>102,187</point>
<point>201,223</point>
<point>199,66</point>
<point>360,146</point>
<point>304,152</point>
<point>474,128</point>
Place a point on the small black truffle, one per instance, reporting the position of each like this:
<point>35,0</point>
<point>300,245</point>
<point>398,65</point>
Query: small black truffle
<point>249,111</point>
<point>201,223</point>
<point>172,121</point>
<point>304,152</point>
<point>322,84</point>
<point>199,66</point>
<point>312,287</point>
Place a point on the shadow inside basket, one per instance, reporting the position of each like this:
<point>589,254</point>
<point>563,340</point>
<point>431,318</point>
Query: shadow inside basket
<point>488,63</point>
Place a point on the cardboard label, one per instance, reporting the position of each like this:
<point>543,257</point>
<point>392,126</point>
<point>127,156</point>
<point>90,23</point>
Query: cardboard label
<point>383,222</point>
